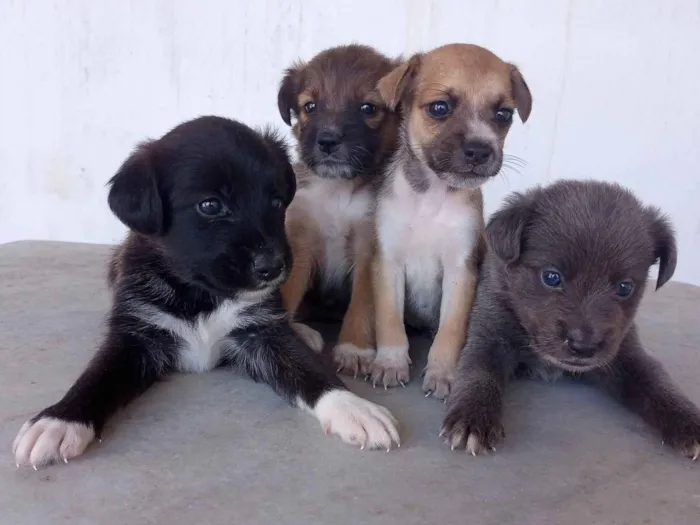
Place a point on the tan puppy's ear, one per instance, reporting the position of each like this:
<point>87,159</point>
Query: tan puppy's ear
<point>288,92</point>
<point>521,93</point>
<point>393,86</point>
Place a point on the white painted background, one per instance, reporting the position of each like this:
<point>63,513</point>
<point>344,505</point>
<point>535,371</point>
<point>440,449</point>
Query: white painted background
<point>616,87</point>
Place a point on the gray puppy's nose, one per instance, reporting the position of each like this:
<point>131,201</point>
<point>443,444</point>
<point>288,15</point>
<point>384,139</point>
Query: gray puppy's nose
<point>582,344</point>
<point>267,267</point>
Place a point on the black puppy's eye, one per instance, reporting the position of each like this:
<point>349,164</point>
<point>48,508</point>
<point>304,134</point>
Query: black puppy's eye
<point>368,109</point>
<point>504,115</point>
<point>551,278</point>
<point>439,109</point>
<point>624,289</point>
<point>310,107</point>
<point>277,203</point>
<point>211,208</point>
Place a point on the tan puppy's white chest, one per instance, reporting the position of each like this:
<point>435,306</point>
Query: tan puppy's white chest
<point>423,234</point>
<point>337,211</point>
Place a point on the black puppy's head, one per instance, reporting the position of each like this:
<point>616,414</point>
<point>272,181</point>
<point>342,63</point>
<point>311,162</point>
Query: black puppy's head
<point>575,257</point>
<point>343,127</point>
<point>211,194</point>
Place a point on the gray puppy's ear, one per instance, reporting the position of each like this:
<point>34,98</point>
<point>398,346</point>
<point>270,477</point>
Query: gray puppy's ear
<point>506,228</point>
<point>665,249</point>
<point>134,196</point>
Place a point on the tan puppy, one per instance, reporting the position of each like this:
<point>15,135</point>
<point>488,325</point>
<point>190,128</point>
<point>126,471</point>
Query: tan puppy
<point>457,103</point>
<point>345,137</point>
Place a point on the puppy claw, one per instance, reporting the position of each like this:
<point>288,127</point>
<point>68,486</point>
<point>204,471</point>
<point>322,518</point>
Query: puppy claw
<point>402,383</point>
<point>65,460</point>
<point>34,467</point>
<point>427,394</point>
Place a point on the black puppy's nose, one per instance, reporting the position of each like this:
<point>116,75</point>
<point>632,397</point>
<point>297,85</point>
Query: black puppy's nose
<point>267,267</point>
<point>580,344</point>
<point>477,152</point>
<point>328,141</point>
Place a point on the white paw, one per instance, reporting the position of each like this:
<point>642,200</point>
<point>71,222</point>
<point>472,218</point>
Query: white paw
<point>353,360</point>
<point>390,367</point>
<point>49,440</point>
<point>310,336</point>
<point>356,420</point>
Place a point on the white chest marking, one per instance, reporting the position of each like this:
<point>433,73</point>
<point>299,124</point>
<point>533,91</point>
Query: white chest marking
<point>336,210</point>
<point>427,234</point>
<point>200,341</point>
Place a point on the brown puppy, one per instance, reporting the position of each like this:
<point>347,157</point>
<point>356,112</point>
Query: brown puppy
<point>565,272</point>
<point>457,104</point>
<point>345,136</point>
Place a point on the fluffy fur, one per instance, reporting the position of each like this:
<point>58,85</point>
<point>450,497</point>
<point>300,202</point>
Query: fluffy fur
<point>345,135</point>
<point>429,215</point>
<point>195,286</point>
<point>564,275</point>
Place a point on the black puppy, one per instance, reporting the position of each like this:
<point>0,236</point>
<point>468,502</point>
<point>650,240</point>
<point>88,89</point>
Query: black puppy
<point>195,286</point>
<point>565,271</point>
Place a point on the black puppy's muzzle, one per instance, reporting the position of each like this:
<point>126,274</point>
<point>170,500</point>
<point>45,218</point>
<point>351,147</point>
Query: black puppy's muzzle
<point>267,267</point>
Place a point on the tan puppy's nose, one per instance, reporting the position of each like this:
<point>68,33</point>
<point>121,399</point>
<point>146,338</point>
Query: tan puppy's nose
<point>477,153</point>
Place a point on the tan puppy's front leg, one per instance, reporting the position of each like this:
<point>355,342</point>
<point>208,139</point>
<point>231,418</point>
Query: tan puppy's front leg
<point>391,366</point>
<point>458,289</point>
<point>355,352</point>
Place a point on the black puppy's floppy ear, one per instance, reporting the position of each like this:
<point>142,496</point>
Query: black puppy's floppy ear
<point>133,195</point>
<point>289,92</point>
<point>393,86</point>
<point>280,151</point>
<point>521,93</point>
<point>505,229</point>
<point>665,250</point>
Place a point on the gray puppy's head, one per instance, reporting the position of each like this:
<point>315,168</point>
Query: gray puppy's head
<point>574,258</point>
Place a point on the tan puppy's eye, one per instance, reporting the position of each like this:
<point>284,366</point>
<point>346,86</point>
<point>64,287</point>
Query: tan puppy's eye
<point>439,109</point>
<point>504,115</point>
<point>310,107</point>
<point>368,109</point>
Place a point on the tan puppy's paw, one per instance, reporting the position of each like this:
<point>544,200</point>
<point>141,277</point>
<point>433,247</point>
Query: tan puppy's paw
<point>310,336</point>
<point>50,440</point>
<point>356,420</point>
<point>438,379</point>
<point>391,367</point>
<point>353,360</point>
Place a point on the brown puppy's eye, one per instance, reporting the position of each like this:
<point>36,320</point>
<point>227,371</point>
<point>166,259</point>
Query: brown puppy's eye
<point>439,109</point>
<point>504,115</point>
<point>211,208</point>
<point>624,289</point>
<point>368,109</point>
<point>310,107</point>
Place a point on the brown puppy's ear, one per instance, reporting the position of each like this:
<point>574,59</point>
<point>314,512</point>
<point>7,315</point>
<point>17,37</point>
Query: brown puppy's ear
<point>393,86</point>
<point>665,250</point>
<point>521,93</point>
<point>505,229</point>
<point>134,196</point>
<point>289,92</point>
<point>280,151</point>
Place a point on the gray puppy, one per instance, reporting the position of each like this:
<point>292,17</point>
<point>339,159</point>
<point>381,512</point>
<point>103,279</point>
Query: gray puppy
<point>560,285</point>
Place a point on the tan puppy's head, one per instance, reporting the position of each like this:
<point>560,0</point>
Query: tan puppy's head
<point>343,127</point>
<point>457,103</point>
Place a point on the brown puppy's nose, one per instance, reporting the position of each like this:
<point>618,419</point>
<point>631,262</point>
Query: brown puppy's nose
<point>477,152</point>
<point>581,344</point>
<point>328,141</point>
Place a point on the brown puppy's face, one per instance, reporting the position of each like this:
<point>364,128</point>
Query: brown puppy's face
<point>342,125</point>
<point>576,257</point>
<point>458,103</point>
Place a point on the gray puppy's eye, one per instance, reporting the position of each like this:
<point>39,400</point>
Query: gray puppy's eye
<point>551,278</point>
<point>624,289</point>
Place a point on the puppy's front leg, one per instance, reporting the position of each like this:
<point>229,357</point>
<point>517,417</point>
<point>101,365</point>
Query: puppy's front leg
<point>458,288</point>
<point>127,363</point>
<point>640,383</point>
<point>355,350</point>
<point>391,366</point>
<point>276,355</point>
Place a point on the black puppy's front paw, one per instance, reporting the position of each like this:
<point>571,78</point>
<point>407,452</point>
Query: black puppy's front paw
<point>474,423</point>
<point>682,432</point>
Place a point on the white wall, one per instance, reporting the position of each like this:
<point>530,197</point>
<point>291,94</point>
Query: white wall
<point>616,87</point>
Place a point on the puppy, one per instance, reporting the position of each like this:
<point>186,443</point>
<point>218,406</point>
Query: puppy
<point>457,103</point>
<point>195,286</point>
<point>345,135</point>
<point>561,283</point>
